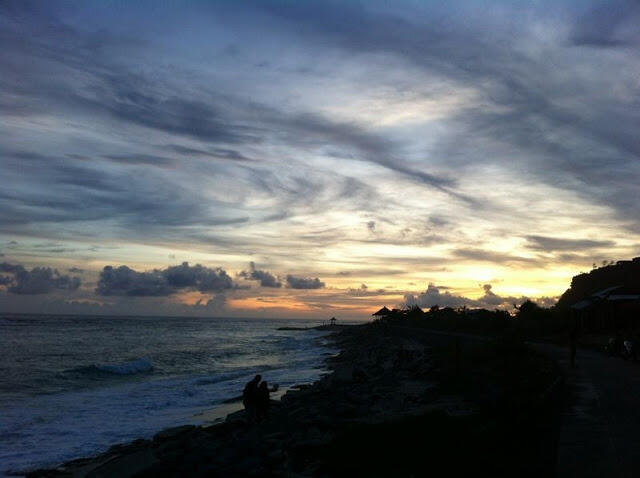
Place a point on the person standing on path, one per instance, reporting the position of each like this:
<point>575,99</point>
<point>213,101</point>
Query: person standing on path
<point>573,339</point>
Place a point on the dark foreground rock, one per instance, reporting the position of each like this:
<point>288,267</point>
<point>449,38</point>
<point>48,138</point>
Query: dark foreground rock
<point>394,400</point>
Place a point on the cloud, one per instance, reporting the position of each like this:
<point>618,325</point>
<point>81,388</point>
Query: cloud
<point>545,243</point>
<point>39,280</point>
<point>6,280</point>
<point>294,282</point>
<point>573,128</point>
<point>524,135</point>
<point>365,291</point>
<point>603,25</point>
<point>222,153</point>
<point>204,279</point>
<point>137,158</point>
<point>266,278</point>
<point>432,296</point>
<point>484,255</point>
<point>123,281</point>
<point>489,300</point>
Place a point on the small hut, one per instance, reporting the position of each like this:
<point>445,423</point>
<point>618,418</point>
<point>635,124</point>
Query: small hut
<point>381,313</point>
<point>614,308</point>
<point>332,322</point>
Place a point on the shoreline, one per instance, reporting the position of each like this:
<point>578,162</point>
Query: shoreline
<point>381,378</point>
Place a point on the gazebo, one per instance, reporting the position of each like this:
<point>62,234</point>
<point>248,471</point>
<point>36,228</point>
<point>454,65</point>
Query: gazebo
<point>332,321</point>
<point>381,313</point>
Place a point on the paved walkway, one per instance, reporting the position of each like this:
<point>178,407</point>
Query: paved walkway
<point>600,434</point>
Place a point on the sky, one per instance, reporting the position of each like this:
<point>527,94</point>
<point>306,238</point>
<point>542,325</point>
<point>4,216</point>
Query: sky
<point>313,159</point>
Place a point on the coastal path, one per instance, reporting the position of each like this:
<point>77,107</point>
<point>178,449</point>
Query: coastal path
<point>600,430</point>
<point>600,433</point>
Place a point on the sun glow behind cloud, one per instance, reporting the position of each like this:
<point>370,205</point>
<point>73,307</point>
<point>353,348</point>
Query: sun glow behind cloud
<point>375,145</point>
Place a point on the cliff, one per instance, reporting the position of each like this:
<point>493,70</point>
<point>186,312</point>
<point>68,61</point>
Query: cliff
<point>623,273</point>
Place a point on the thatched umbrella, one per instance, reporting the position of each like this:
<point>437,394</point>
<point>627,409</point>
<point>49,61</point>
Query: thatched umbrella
<point>382,312</point>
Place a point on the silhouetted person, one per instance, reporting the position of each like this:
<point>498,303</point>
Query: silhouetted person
<point>250,397</point>
<point>263,401</point>
<point>573,344</point>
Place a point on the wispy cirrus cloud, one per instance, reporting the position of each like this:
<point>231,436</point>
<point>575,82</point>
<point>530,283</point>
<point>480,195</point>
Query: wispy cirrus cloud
<point>369,142</point>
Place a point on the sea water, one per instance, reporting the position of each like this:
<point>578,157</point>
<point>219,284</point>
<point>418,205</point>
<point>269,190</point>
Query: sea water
<point>72,386</point>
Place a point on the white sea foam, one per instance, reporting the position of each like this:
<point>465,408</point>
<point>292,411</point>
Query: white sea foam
<point>127,368</point>
<point>121,400</point>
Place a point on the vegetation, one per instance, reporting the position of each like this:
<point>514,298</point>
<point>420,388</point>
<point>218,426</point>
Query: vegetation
<point>529,320</point>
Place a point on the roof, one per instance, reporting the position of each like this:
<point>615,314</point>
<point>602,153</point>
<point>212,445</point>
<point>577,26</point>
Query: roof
<point>610,294</point>
<point>624,297</point>
<point>383,311</point>
<point>601,294</point>
<point>583,304</point>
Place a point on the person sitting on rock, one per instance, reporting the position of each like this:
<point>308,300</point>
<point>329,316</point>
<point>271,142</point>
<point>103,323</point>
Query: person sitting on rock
<point>250,397</point>
<point>262,401</point>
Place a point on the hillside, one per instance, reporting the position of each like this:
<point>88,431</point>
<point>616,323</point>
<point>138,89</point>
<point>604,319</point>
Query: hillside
<point>622,273</point>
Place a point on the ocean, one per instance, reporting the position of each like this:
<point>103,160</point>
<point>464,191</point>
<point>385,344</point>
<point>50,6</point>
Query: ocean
<point>72,386</point>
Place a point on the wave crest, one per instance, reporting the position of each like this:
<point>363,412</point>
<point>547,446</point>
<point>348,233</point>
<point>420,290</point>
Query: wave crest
<point>130,367</point>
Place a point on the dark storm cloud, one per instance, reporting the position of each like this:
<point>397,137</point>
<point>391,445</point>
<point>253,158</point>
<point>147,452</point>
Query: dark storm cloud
<point>294,282</point>
<point>545,243</point>
<point>266,278</point>
<point>124,281</point>
<point>39,280</point>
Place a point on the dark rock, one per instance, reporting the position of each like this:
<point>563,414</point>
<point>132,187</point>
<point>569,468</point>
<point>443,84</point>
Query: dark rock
<point>125,466</point>
<point>171,433</point>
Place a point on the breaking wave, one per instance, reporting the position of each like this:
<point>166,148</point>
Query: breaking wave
<point>125,368</point>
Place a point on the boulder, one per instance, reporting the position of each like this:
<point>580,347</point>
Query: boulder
<point>343,373</point>
<point>174,432</point>
<point>125,466</point>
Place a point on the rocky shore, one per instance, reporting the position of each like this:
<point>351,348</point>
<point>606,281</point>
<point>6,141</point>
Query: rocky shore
<point>394,398</point>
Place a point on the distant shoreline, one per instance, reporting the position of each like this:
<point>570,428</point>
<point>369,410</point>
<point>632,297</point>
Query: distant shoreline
<point>205,317</point>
